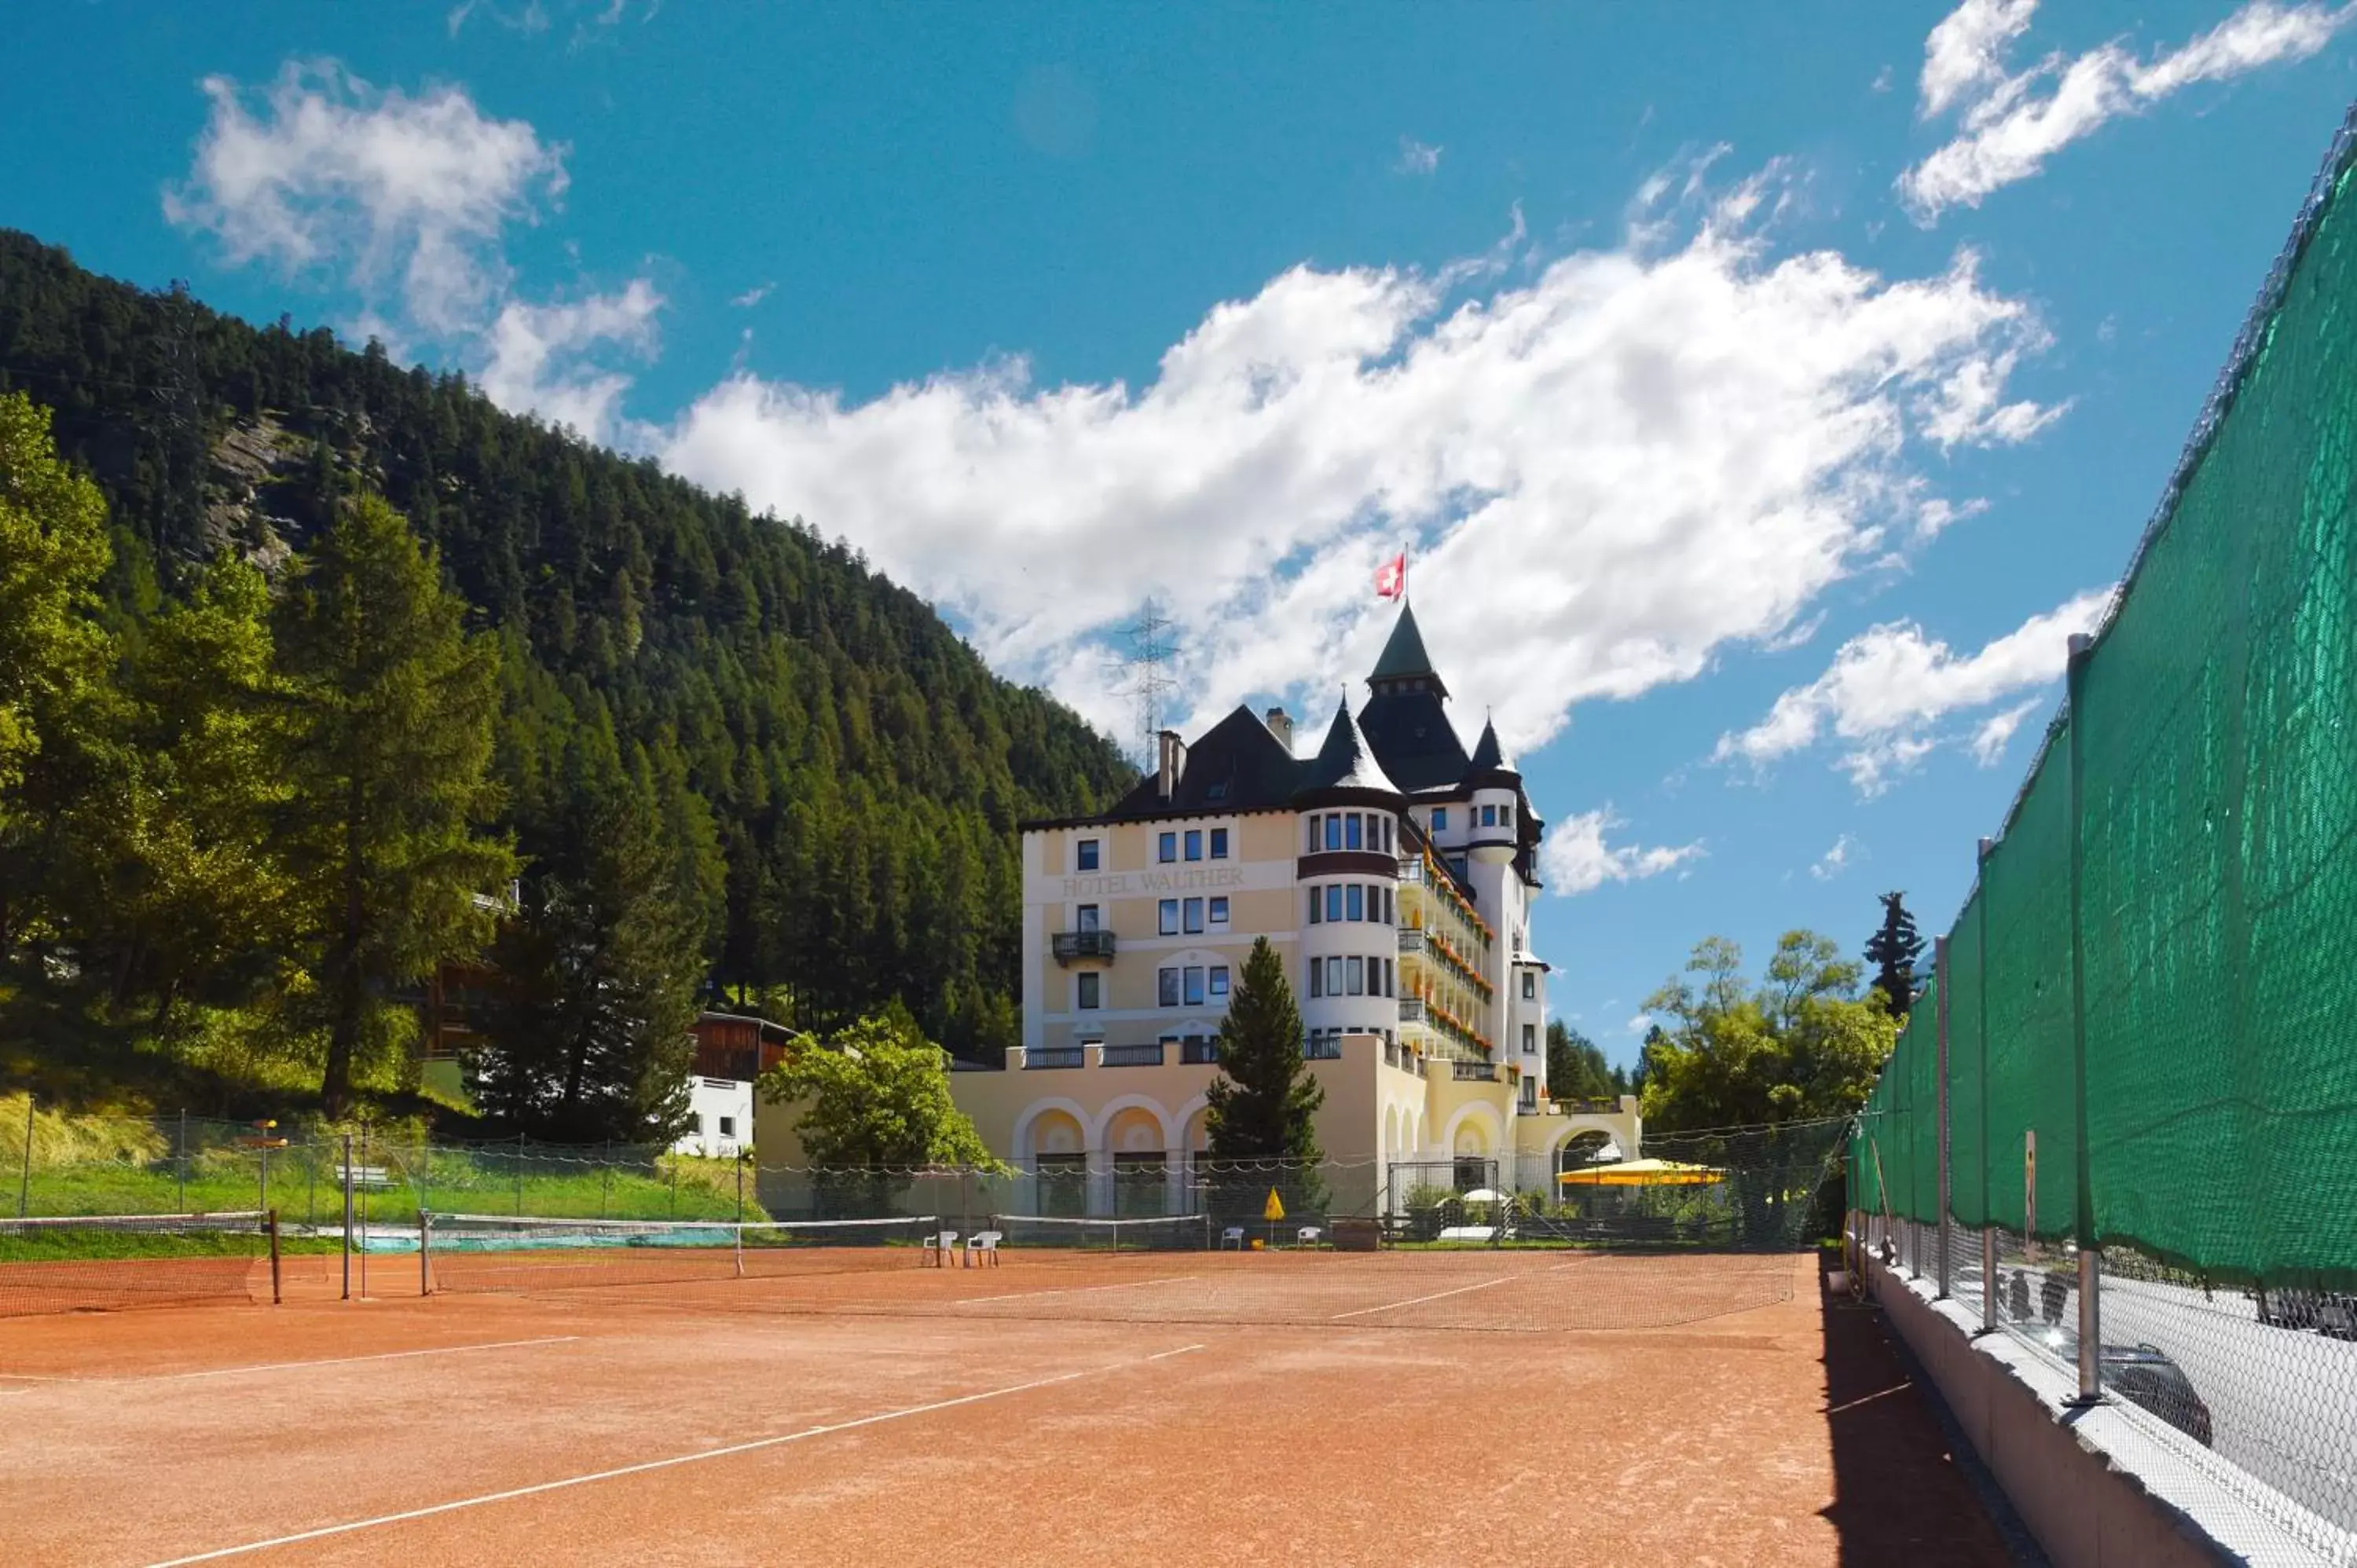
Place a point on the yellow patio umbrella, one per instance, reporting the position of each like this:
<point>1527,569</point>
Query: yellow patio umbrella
<point>1644,1173</point>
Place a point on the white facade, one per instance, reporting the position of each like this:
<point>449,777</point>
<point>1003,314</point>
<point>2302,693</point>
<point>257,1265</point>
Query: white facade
<point>723,1112</point>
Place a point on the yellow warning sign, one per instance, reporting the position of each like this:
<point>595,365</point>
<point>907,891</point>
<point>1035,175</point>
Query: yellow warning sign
<point>1274,1210</point>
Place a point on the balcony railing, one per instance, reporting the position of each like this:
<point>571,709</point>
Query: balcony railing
<point>1411,941</point>
<point>1587,1107</point>
<point>1055,1057</point>
<point>1134,1056</point>
<point>1069,945</point>
<point>1474,1072</point>
<point>1325,1048</point>
<point>1411,869</point>
<point>1411,1009</point>
<point>1199,1052</point>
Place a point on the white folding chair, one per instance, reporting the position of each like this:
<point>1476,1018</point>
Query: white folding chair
<point>938,1246</point>
<point>1308,1236</point>
<point>1234,1236</point>
<point>983,1245</point>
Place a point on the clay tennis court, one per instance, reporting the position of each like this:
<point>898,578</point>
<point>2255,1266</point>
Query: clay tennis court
<point>1395,1408</point>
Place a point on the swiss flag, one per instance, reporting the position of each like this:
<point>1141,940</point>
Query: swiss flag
<point>1391,577</point>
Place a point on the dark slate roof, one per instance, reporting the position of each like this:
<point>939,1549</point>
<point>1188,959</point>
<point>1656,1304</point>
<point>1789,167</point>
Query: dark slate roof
<point>1488,756</point>
<point>1235,765</point>
<point>1345,761</point>
<point>1404,656</point>
<point>1412,738</point>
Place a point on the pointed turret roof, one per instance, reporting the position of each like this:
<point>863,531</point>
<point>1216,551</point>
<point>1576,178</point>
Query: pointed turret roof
<point>1404,656</point>
<point>1345,761</point>
<point>1488,756</point>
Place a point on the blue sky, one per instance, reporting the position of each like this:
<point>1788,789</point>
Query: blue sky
<point>1762,393</point>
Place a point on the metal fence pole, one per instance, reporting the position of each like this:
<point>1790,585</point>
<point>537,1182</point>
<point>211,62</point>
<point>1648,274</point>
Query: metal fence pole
<point>519,1175</point>
<point>1947,1181</point>
<point>25,1179</point>
<point>2091,1345</point>
<point>1988,1219</point>
<point>347,1216</point>
<point>364,1215</point>
<point>183,1161</point>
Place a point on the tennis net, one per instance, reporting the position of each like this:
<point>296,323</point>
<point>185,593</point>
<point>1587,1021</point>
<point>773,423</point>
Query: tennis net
<point>1156,1233</point>
<point>100,1260</point>
<point>521,1252</point>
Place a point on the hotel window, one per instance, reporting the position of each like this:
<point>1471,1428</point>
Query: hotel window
<point>1355,902</point>
<point>1354,974</point>
<point>1530,985</point>
<point>1350,839</point>
<point>1166,849</point>
<point>1194,917</point>
<point>1317,906</point>
<point>1314,820</point>
<point>1089,918</point>
<point>1219,843</point>
<point>1440,819</point>
<point>1391,974</point>
<point>1219,982</point>
<point>1529,1094</point>
<point>1194,985</point>
<point>1334,977</point>
<point>1170,917</point>
<point>1194,843</point>
<point>1530,1040</point>
<point>1089,989</point>
<point>727,1126</point>
<point>1084,854</point>
<point>1488,816</point>
<point>1166,988</point>
<point>1506,816</point>
<point>1219,912</point>
<point>1317,978</point>
<point>1334,903</point>
<point>1389,842</point>
<point>1333,830</point>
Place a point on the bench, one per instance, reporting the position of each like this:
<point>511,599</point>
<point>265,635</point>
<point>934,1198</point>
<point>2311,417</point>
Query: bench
<point>1481,1233</point>
<point>372,1178</point>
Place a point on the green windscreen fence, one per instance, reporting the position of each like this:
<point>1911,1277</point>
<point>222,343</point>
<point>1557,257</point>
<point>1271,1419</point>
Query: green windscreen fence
<point>2170,912</point>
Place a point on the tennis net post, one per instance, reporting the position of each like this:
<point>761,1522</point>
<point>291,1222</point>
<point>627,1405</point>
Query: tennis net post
<point>424,1250</point>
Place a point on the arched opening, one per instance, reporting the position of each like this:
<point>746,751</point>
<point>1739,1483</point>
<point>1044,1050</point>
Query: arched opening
<point>1140,1165</point>
<point>1059,1157</point>
<point>1473,1169</point>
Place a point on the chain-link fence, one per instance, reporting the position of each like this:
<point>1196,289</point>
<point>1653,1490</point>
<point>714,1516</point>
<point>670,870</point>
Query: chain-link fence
<point>2122,1124</point>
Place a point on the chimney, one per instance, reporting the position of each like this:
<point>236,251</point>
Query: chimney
<point>1173,763</point>
<point>1280,725</point>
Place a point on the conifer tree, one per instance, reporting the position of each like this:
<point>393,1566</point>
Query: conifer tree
<point>1263,1102</point>
<point>393,705</point>
<point>1892,950</point>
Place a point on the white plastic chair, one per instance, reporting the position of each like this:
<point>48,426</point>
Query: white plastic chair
<point>983,1245</point>
<point>938,1246</point>
<point>1234,1236</point>
<point>1309,1236</point>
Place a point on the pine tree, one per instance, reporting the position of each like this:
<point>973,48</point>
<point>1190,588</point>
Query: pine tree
<point>600,967</point>
<point>391,705</point>
<point>1892,950</point>
<point>1263,1102</point>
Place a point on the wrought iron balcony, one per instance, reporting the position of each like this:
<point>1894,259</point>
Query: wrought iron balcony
<point>1199,1052</point>
<point>1323,1047</point>
<point>1069,945</point>
<point>1055,1057</point>
<point>1134,1056</point>
<point>1411,1009</point>
<point>1476,1072</point>
<point>1411,941</point>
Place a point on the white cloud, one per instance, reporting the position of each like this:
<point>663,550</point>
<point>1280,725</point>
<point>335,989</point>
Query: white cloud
<point>1997,732</point>
<point>1835,861</point>
<point>1606,468</point>
<point>1575,859</point>
<point>753,297</point>
<point>536,357</point>
<point>1639,1025</point>
<point>1887,688</point>
<point>406,200</point>
<point>2013,121</point>
<point>333,173</point>
<point>1417,157</point>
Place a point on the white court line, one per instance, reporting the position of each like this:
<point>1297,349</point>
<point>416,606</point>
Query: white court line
<point>1441,1295</point>
<point>755,1446</point>
<point>294,1366</point>
<point>1072,1290</point>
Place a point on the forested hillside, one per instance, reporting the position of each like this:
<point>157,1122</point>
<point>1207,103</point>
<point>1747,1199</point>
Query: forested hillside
<point>831,776</point>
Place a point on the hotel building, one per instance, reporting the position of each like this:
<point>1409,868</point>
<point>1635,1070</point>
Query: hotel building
<point>1394,872</point>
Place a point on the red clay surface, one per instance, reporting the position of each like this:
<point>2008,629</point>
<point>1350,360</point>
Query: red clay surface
<point>1152,1409</point>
